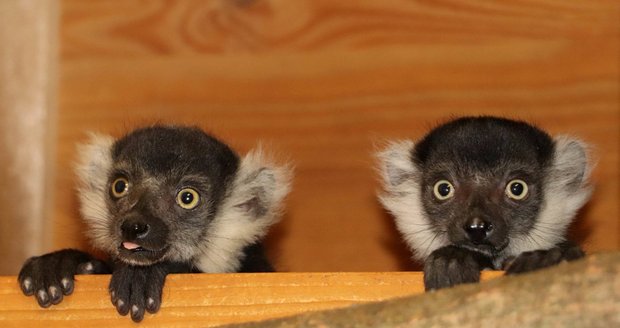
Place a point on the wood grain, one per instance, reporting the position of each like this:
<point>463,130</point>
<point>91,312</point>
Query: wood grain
<point>324,83</point>
<point>207,300</point>
<point>576,294</point>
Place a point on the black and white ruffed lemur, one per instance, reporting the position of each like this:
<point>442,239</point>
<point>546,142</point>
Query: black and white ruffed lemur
<point>485,192</point>
<point>160,200</point>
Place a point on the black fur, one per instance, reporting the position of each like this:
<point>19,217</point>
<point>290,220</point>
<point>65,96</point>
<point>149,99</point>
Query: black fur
<point>534,260</point>
<point>155,163</point>
<point>175,153</point>
<point>50,276</point>
<point>255,260</point>
<point>452,265</point>
<point>479,225</point>
<point>495,151</point>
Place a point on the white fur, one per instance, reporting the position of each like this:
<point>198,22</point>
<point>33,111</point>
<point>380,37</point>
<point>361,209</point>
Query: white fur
<point>562,199</point>
<point>402,198</point>
<point>92,169</point>
<point>236,227</point>
<point>231,230</point>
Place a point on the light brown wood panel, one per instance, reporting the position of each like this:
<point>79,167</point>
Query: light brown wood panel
<point>323,83</point>
<point>207,300</point>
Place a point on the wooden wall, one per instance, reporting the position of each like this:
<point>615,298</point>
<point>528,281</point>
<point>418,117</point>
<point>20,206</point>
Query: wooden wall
<point>323,82</point>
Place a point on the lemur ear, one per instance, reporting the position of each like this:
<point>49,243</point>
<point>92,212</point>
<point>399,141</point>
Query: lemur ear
<point>92,169</point>
<point>571,167</point>
<point>260,186</point>
<point>395,163</point>
<point>94,161</point>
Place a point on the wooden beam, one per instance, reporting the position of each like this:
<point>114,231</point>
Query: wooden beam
<point>584,293</point>
<point>207,300</point>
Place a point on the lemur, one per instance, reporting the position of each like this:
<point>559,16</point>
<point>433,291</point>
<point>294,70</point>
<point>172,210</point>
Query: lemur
<point>485,192</point>
<point>160,200</point>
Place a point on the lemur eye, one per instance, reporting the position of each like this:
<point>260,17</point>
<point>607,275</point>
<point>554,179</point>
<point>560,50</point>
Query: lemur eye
<point>516,189</point>
<point>188,198</point>
<point>120,187</point>
<point>443,190</point>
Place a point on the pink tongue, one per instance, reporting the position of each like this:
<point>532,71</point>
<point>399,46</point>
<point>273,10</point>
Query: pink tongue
<point>129,245</point>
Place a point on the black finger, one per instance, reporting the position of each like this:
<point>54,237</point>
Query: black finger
<point>55,294</point>
<point>43,298</point>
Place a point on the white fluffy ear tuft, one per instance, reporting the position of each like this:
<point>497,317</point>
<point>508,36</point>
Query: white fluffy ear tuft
<point>253,204</point>
<point>571,167</point>
<point>566,190</point>
<point>92,169</point>
<point>396,164</point>
<point>260,186</point>
<point>402,197</point>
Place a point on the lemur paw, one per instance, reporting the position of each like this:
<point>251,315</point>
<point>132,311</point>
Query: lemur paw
<point>539,259</point>
<point>51,276</point>
<point>134,289</point>
<point>451,265</point>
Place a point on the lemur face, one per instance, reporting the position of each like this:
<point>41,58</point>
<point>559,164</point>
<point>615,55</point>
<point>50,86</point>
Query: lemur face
<point>496,186</point>
<point>163,188</point>
<point>482,183</point>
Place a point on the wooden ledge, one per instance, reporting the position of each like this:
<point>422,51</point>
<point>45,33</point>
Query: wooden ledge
<point>212,299</point>
<point>584,293</point>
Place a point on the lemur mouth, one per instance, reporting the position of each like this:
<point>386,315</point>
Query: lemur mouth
<point>132,247</point>
<point>138,254</point>
<point>487,249</point>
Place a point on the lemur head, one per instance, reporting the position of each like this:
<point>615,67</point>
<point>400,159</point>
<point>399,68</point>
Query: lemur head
<point>175,193</point>
<point>493,185</point>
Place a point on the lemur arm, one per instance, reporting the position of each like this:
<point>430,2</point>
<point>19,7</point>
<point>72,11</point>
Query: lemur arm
<point>538,259</point>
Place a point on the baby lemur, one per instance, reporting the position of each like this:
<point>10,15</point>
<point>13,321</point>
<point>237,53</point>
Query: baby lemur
<point>163,199</point>
<point>485,192</point>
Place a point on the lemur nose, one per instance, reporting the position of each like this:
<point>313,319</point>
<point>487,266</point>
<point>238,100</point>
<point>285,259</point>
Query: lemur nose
<point>134,229</point>
<point>478,230</point>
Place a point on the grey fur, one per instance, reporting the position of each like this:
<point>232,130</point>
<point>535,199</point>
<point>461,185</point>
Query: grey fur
<point>232,227</point>
<point>566,190</point>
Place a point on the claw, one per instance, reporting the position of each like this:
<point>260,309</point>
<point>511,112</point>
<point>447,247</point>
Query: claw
<point>43,298</point>
<point>122,307</point>
<point>55,294</point>
<point>86,268</point>
<point>67,286</point>
<point>151,305</point>
<point>27,287</point>
<point>137,313</point>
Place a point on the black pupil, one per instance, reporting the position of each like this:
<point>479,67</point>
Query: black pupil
<point>120,186</point>
<point>187,197</point>
<point>516,188</point>
<point>444,189</point>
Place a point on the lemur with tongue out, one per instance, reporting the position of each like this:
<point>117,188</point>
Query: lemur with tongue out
<point>163,199</point>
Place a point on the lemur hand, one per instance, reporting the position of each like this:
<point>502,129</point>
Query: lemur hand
<point>48,277</point>
<point>451,265</point>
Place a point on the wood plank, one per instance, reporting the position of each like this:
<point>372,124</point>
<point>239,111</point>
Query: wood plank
<point>577,294</point>
<point>206,300</point>
<point>324,89</point>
